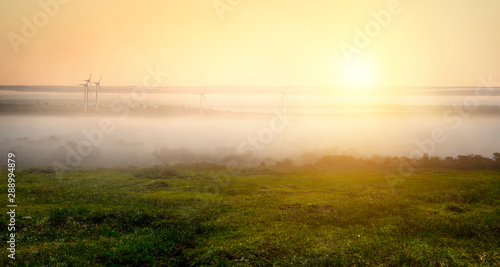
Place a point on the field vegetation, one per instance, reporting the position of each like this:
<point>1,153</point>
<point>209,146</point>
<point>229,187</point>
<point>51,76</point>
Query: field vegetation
<point>201,214</point>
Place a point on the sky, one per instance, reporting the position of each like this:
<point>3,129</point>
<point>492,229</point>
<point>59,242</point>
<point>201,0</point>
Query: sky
<point>251,42</point>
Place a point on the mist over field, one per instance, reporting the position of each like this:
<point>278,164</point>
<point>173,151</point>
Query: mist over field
<point>233,129</point>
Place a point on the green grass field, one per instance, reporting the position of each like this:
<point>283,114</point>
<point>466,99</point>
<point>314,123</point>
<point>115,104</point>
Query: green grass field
<point>200,215</point>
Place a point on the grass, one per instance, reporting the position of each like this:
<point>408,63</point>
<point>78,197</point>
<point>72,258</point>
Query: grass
<point>200,215</point>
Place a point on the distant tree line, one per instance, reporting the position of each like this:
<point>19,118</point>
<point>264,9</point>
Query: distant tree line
<point>461,162</point>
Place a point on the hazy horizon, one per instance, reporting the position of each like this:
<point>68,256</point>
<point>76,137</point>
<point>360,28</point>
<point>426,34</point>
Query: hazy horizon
<point>322,124</point>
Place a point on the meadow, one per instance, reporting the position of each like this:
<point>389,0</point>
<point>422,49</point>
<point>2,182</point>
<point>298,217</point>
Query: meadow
<point>201,215</point>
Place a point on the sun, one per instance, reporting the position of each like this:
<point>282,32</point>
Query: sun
<point>358,74</point>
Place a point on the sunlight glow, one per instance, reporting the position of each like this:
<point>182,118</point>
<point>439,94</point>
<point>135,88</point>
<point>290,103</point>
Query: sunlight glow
<point>358,74</point>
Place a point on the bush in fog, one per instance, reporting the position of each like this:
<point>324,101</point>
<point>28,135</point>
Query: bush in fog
<point>496,157</point>
<point>286,163</point>
<point>461,162</point>
<point>474,162</point>
<point>343,161</point>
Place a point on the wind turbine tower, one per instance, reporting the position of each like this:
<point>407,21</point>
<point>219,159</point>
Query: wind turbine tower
<point>202,97</point>
<point>86,91</point>
<point>84,96</point>
<point>97,84</point>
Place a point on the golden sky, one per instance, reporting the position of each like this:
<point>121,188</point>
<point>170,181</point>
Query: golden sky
<point>250,42</point>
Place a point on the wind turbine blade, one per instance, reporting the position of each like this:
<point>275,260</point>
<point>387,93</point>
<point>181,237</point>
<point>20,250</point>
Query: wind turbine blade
<point>100,79</point>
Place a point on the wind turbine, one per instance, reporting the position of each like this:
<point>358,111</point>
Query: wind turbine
<point>202,97</point>
<point>284,97</point>
<point>97,84</point>
<point>88,80</point>
<point>86,91</point>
